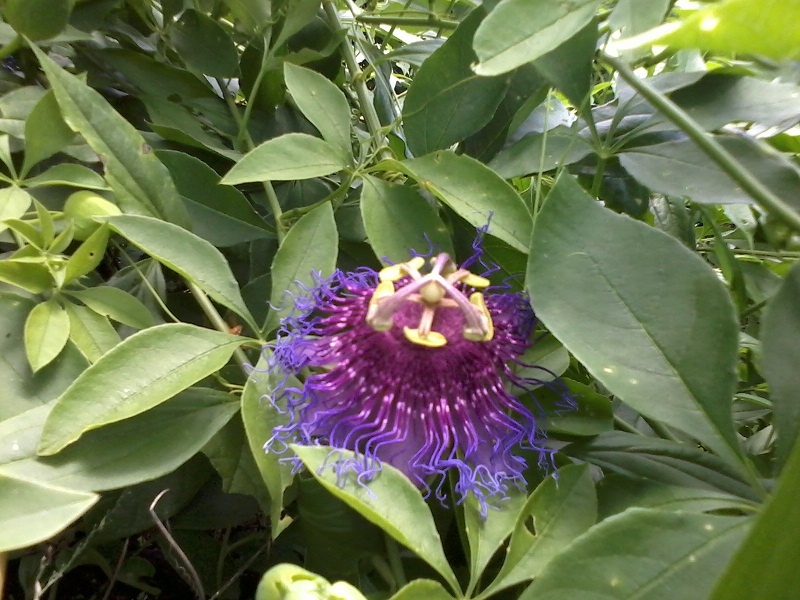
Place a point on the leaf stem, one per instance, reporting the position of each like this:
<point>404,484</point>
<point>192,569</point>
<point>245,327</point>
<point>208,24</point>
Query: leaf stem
<point>430,21</point>
<point>359,84</point>
<point>395,562</point>
<point>217,321</point>
<point>623,425</point>
<point>713,149</point>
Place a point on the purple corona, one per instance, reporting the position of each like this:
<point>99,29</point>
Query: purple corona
<point>413,366</point>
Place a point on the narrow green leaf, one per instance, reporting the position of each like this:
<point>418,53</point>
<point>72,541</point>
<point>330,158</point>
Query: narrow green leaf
<point>204,44</point>
<point>290,156</point>
<point>88,255</point>
<point>31,512</point>
<point>392,503</point>
<point>422,589</point>
<point>447,101</point>
<point>666,345</point>
<point>117,304</point>
<point>475,192</point>
<point>297,259</point>
<point>569,66</point>
<point>137,449</point>
<point>46,333</point>
<point>45,132</point>
<point>31,277</point>
<point>771,547</point>
<point>69,174</point>
<point>781,356</point>
<point>398,220</point>
<point>141,184</point>
<point>541,152</point>
<point>141,372</point>
<point>90,332</point>
<point>643,553</point>
<point>322,103</point>
<point>519,31</point>
<point>186,254</point>
<point>593,415</point>
<point>14,202</point>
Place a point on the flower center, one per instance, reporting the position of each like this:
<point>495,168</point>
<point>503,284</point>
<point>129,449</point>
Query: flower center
<point>434,290</point>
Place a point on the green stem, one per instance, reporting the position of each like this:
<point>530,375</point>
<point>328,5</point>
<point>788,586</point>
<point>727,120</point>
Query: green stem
<point>217,321</point>
<point>713,149</point>
<point>754,308</point>
<point>360,85</point>
<point>660,429</point>
<point>408,21</point>
<point>395,562</point>
<point>623,425</point>
<point>782,254</point>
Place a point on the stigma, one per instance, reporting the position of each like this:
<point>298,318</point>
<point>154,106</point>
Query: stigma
<point>442,285</point>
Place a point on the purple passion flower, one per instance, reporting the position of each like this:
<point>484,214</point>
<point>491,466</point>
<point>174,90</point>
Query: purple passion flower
<point>411,366</point>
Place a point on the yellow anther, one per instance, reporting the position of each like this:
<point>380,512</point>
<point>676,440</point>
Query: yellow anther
<point>475,281</point>
<point>416,263</point>
<point>391,273</point>
<point>384,290</point>
<point>434,339</point>
<point>432,292</point>
<point>478,301</point>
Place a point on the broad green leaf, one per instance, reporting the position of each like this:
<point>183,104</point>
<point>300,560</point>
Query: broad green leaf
<point>447,101</point>
<point>46,333</point>
<point>735,26</point>
<point>31,277</point>
<point>642,553</point>
<point>117,304</point>
<point>539,152</point>
<point>91,332</point>
<point>631,17</point>
<point>14,202</point>
<point>260,417</point>
<point>186,254</point>
<point>204,45</point>
<point>220,214</point>
<point>593,415</point>
<point>45,132</point>
<point>252,13</point>
<point>69,174</point>
<point>680,168</point>
<point>569,67</point>
<point>520,31</point>
<point>475,192</point>
<point>660,460</point>
<point>23,389</point>
<point>780,359</point>
<point>391,502</point>
<point>31,512</point>
<point>562,508</point>
<point>137,449</point>
<point>771,547</point>
<point>322,103</point>
<point>20,434</point>
<point>141,372</point>
<point>141,184</point>
<point>663,340</point>
<point>422,589</point>
<point>297,259</point>
<point>88,255</point>
<point>290,156</point>
<point>398,220</point>
<point>671,215</point>
<point>486,534</point>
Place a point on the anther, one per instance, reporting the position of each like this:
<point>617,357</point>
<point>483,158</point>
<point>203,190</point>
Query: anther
<point>433,339</point>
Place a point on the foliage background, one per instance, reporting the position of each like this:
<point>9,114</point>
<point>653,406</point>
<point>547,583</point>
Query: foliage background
<point>223,149</point>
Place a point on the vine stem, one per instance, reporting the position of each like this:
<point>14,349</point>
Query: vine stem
<point>359,84</point>
<point>395,562</point>
<point>713,149</point>
<point>431,21</point>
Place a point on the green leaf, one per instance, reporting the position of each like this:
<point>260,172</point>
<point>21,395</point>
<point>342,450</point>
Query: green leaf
<point>117,304</point>
<point>392,503</point>
<point>141,184</point>
<point>642,554</point>
<point>520,31</point>
<point>46,333</point>
<point>322,103</point>
<point>141,372</point>
<point>297,259</point>
<point>14,203</point>
<point>137,449</point>
<point>539,152</point>
<point>45,132</point>
<point>90,332</point>
<point>204,45</point>
<point>733,26</point>
<point>631,17</point>
<point>561,509</point>
<point>447,101</point>
<point>31,277</point>
<point>593,415</point>
<point>660,460</point>
<point>220,214</point>
<point>31,512</point>
<point>665,345</point>
<point>260,417</point>
<point>186,254</point>
<point>569,67</point>
<point>422,589</point>
<point>680,168</point>
<point>287,157</point>
<point>88,255</point>
<point>475,192</point>
<point>69,174</point>
<point>770,548</point>
<point>398,220</point>
<point>780,358</point>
